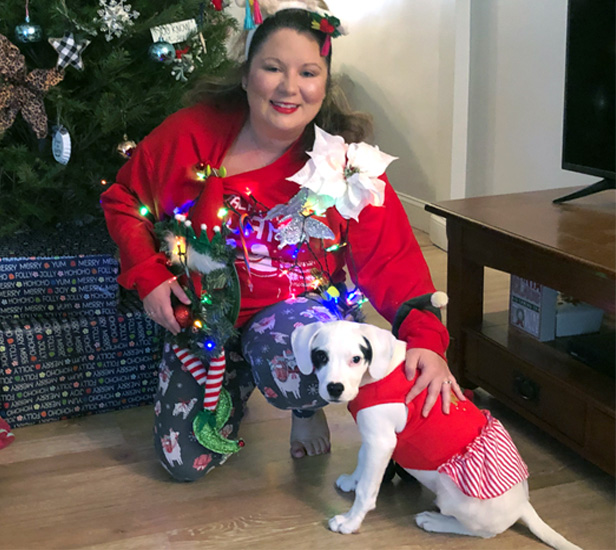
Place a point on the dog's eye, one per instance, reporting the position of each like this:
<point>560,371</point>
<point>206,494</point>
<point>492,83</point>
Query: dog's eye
<point>356,359</point>
<point>319,358</point>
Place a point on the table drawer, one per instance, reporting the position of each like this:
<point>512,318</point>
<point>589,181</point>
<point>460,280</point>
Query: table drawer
<point>518,383</point>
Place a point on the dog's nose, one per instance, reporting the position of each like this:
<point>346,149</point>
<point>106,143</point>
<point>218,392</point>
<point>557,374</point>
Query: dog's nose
<point>335,389</point>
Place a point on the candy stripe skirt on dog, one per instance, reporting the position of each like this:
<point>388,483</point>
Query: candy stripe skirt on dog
<point>490,465</point>
<point>478,454</point>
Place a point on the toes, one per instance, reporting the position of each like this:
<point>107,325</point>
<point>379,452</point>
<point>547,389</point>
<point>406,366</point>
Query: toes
<point>297,449</point>
<point>300,449</point>
<point>309,436</point>
<point>319,447</point>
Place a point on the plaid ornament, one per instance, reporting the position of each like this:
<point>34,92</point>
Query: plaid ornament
<point>69,50</point>
<point>23,91</point>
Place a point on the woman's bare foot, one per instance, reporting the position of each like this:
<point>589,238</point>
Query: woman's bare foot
<point>309,436</point>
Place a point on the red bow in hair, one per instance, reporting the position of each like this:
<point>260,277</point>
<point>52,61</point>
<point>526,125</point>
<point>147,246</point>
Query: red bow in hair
<point>329,25</point>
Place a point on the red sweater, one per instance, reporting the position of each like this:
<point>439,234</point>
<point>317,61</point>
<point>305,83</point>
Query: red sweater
<point>382,255</point>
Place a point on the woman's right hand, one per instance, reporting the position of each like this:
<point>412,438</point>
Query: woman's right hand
<point>157,304</point>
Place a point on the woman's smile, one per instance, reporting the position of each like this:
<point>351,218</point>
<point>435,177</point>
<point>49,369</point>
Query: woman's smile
<point>284,108</point>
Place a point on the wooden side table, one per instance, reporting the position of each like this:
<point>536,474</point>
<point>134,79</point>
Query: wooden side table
<point>569,247</point>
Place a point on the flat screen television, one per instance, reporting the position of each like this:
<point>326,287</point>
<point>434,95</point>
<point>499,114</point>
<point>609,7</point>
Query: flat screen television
<point>589,128</point>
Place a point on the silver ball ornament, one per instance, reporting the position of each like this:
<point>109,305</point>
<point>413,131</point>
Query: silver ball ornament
<point>161,51</point>
<point>27,32</point>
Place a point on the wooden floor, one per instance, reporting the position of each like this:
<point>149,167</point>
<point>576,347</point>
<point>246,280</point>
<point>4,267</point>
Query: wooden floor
<point>93,483</point>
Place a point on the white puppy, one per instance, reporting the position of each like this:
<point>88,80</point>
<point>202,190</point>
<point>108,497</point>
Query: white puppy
<point>476,493</point>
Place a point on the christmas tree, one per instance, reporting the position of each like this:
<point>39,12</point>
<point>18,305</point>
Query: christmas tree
<point>69,119</point>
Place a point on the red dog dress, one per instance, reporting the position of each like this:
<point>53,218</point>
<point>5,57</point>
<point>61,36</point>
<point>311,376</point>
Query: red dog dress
<point>468,444</point>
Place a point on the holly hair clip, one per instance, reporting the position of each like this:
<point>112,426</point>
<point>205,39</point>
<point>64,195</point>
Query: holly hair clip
<point>330,26</point>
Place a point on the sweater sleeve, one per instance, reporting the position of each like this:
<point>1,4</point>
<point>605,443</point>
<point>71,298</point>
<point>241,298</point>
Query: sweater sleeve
<point>142,267</point>
<point>387,264</point>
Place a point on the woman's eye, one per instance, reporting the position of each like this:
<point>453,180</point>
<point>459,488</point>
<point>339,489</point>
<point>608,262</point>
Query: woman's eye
<point>308,74</point>
<point>271,69</point>
<point>356,359</point>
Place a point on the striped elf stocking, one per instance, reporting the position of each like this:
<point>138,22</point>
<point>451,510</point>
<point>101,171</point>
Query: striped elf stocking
<point>216,402</point>
<point>212,379</point>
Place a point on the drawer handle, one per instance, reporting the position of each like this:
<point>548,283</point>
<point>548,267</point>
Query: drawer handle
<point>525,388</point>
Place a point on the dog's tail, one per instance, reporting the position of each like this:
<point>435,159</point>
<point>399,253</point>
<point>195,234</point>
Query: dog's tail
<point>543,531</point>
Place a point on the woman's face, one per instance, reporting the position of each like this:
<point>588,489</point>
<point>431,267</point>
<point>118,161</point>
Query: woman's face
<point>285,84</point>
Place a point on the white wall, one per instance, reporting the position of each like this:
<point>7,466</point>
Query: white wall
<point>516,97</point>
<point>398,59</point>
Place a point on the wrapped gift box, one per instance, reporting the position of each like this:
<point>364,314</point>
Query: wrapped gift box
<point>57,285</point>
<point>55,368</point>
<point>59,273</point>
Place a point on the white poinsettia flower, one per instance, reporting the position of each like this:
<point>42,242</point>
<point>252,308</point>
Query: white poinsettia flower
<point>369,159</point>
<point>362,191</point>
<point>348,175</point>
<point>324,172</point>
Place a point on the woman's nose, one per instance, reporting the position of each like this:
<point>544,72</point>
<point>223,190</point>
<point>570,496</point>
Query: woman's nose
<point>289,82</point>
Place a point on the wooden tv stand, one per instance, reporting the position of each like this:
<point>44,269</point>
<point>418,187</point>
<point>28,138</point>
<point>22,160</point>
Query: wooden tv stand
<point>569,247</point>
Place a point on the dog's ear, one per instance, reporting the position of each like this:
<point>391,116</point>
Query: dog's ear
<point>301,338</point>
<point>382,343</point>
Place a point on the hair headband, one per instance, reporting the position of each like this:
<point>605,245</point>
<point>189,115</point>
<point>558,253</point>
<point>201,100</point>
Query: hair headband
<point>322,20</point>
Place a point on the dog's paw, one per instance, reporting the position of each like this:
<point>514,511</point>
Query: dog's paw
<point>345,525</point>
<point>346,483</point>
<point>429,521</point>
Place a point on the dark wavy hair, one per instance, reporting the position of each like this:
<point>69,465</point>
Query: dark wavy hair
<point>335,115</point>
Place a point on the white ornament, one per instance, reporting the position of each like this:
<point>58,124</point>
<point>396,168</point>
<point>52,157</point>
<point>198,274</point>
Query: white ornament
<point>115,17</point>
<point>61,144</point>
<point>344,175</point>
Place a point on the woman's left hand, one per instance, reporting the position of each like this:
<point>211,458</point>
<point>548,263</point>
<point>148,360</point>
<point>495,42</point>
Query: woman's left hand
<point>434,375</point>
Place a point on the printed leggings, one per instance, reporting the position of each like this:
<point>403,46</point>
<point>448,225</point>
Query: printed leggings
<point>260,356</point>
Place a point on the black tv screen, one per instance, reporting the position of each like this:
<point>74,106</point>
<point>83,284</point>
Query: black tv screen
<point>589,144</point>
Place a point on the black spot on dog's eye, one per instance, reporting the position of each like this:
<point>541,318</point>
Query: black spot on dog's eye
<point>356,359</point>
<point>367,351</point>
<point>319,358</point>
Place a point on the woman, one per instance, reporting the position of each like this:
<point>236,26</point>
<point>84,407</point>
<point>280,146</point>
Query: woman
<point>260,130</point>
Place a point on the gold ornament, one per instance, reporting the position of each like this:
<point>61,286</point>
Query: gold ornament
<point>126,147</point>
